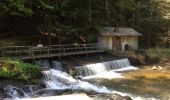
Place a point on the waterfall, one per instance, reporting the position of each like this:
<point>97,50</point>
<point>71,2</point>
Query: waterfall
<point>59,80</point>
<point>47,65</point>
<point>43,63</point>
<point>56,65</point>
<point>116,65</point>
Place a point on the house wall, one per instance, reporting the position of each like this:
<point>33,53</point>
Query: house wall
<point>108,42</point>
<point>131,41</point>
<point>105,41</point>
<point>116,43</point>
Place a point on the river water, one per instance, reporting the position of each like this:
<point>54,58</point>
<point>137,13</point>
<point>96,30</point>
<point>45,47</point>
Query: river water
<point>105,77</point>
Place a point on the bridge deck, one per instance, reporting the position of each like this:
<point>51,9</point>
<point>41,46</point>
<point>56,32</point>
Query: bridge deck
<point>30,52</point>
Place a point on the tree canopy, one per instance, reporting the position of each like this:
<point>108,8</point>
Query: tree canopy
<point>70,21</point>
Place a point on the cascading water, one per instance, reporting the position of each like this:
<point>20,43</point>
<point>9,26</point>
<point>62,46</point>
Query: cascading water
<point>56,65</point>
<point>52,64</point>
<point>105,69</point>
<point>43,63</point>
<point>59,80</point>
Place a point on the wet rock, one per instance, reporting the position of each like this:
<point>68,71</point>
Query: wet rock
<point>114,96</point>
<point>79,78</point>
<point>157,68</point>
<point>14,91</point>
<point>44,92</point>
<point>51,92</point>
<point>128,98</point>
<point>31,88</point>
<point>65,97</point>
<point>154,68</point>
<point>3,94</point>
<point>160,67</point>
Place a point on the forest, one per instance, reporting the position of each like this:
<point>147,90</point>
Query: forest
<point>71,21</point>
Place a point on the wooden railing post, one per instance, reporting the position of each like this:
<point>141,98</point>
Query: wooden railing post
<point>32,53</point>
<point>63,50</point>
<point>1,49</point>
<point>48,50</point>
<point>29,52</point>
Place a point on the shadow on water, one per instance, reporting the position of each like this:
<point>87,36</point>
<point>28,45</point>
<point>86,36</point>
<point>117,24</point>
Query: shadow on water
<point>140,86</point>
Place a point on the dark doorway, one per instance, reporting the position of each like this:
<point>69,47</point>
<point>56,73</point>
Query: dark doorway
<point>126,47</point>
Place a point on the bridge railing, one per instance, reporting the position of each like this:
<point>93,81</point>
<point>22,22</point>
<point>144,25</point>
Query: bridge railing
<point>33,51</point>
<point>15,51</point>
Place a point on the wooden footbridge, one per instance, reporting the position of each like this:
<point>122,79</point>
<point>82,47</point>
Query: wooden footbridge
<point>32,52</point>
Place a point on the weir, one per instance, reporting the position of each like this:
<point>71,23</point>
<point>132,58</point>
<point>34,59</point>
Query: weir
<point>93,69</point>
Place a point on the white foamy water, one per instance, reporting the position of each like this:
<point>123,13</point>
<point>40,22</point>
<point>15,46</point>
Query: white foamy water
<point>111,74</point>
<point>98,68</point>
<point>125,69</point>
<point>60,80</point>
<point>105,75</point>
<point>107,70</point>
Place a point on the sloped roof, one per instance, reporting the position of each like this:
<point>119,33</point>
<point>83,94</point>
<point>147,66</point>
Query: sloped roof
<point>119,31</point>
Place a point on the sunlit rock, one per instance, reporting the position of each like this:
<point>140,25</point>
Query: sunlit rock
<point>64,97</point>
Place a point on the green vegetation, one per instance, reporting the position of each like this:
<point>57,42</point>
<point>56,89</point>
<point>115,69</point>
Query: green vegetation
<point>144,56</point>
<point>56,20</point>
<point>18,70</point>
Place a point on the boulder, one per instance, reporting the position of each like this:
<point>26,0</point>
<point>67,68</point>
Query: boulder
<point>114,96</point>
<point>65,97</point>
<point>157,68</point>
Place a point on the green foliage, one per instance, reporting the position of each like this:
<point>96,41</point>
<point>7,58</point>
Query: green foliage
<point>16,69</point>
<point>18,8</point>
<point>75,18</point>
<point>153,55</point>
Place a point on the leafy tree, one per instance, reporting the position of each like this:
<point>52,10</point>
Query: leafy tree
<point>70,21</point>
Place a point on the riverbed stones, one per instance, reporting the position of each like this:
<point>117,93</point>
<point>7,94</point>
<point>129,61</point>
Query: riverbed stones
<point>157,68</point>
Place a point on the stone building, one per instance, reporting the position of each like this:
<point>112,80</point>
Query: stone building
<point>119,38</point>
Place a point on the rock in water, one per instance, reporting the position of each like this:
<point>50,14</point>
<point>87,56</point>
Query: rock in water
<point>14,91</point>
<point>128,98</point>
<point>114,96</point>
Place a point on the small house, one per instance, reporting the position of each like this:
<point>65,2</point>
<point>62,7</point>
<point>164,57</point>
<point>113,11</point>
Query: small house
<point>119,38</point>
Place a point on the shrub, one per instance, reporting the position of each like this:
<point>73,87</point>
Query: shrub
<point>152,56</point>
<point>17,69</point>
